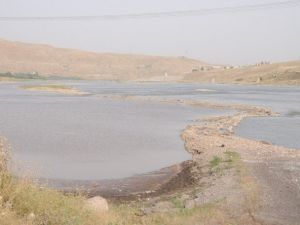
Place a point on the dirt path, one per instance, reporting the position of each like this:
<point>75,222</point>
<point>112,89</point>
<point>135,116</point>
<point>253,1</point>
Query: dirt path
<point>280,181</point>
<point>275,169</point>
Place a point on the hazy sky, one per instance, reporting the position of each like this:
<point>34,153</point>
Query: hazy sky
<point>238,38</point>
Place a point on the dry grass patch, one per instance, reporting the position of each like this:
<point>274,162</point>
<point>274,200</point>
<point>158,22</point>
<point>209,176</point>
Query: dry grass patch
<point>25,203</point>
<point>209,214</point>
<point>21,198</point>
<point>56,88</point>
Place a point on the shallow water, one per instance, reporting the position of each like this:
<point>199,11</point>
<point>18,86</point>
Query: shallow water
<point>278,130</point>
<point>90,138</point>
<point>283,130</point>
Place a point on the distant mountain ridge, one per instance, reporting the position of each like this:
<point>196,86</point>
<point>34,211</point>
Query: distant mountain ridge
<point>45,60</point>
<point>38,61</point>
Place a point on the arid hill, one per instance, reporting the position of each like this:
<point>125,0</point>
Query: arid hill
<point>277,73</point>
<point>45,61</point>
<point>17,57</point>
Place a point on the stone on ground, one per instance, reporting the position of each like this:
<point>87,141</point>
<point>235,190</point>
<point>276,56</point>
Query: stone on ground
<point>97,204</point>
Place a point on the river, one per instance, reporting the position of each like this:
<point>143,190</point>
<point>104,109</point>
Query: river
<point>92,138</point>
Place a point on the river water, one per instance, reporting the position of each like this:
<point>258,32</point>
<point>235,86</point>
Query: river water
<point>283,130</point>
<point>88,137</point>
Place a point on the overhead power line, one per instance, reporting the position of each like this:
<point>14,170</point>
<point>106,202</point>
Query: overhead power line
<point>184,13</point>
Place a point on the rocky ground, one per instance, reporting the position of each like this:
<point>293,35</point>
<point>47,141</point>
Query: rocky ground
<point>257,182</point>
<point>275,170</point>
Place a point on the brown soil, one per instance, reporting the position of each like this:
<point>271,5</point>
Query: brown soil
<point>277,73</point>
<point>47,61</point>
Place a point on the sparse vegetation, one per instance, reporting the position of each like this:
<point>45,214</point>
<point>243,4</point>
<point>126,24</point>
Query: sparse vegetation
<point>276,73</point>
<point>215,162</point>
<point>57,88</point>
<point>248,184</point>
<point>25,203</point>
<point>179,204</point>
<point>21,198</point>
<point>230,159</point>
<point>52,86</point>
<point>21,76</point>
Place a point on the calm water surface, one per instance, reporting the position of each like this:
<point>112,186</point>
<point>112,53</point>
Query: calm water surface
<point>88,137</point>
<point>283,130</point>
<point>93,138</point>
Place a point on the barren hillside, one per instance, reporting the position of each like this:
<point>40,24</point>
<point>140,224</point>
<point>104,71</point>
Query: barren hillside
<point>277,73</point>
<point>46,60</point>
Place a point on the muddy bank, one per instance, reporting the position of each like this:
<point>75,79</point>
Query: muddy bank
<point>132,188</point>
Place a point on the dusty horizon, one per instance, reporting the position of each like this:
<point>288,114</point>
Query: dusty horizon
<point>221,38</point>
<point>145,54</point>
